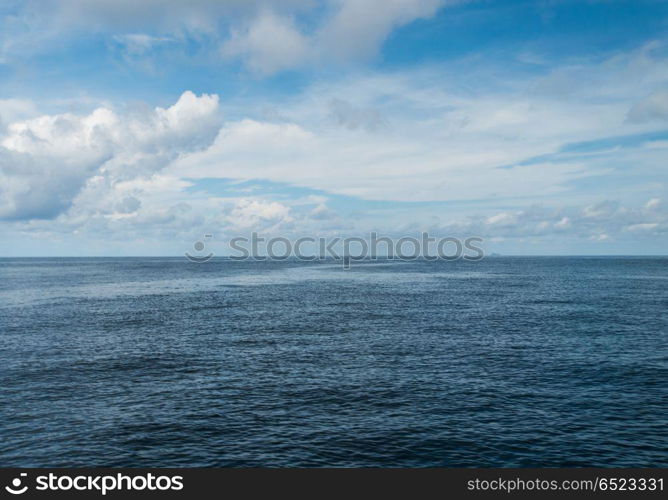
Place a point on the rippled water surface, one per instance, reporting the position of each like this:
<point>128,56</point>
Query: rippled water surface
<point>503,362</point>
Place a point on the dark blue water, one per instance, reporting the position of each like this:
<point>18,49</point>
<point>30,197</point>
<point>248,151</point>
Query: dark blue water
<point>503,362</point>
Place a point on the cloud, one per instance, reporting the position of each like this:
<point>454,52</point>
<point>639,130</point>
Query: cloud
<point>140,43</point>
<point>503,219</point>
<point>653,204</point>
<point>270,44</point>
<point>606,220</point>
<point>353,31</point>
<point>46,161</point>
<point>35,26</point>
<point>469,132</point>
<point>165,16</point>
<point>352,117</point>
<point>358,28</point>
<point>259,215</point>
<point>12,110</point>
<point>563,223</point>
<point>322,212</point>
<point>128,205</point>
<point>654,107</point>
<point>599,237</point>
<point>267,36</point>
<point>645,226</point>
<point>601,210</point>
<point>477,142</point>
<point>142,51</point>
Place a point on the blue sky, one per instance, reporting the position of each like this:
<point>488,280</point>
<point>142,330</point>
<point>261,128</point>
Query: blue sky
<point>132,128</point>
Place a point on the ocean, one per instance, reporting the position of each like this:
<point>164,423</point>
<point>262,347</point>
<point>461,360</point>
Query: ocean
<point>505,362</point>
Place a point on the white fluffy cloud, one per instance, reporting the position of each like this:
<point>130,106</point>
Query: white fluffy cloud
<point>45,162</point>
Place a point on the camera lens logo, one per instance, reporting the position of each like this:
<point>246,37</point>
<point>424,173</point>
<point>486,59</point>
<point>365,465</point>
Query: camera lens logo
<point>15,488</point>
<point>199,247</point>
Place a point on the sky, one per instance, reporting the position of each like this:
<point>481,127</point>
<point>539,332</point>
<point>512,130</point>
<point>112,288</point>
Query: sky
<point>134,128</point>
